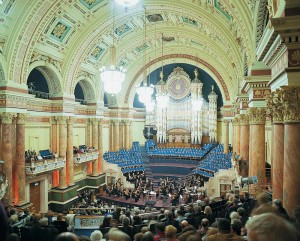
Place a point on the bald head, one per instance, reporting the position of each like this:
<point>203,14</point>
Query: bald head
<point>67,236</point>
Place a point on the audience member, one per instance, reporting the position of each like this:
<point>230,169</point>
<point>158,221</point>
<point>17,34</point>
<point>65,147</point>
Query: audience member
<point>224,232</point>
<point>269,226</point>
<point>66,236</point>
<point>96,235</point>
<point>170,233</point>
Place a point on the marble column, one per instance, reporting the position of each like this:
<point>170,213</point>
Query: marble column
<point>70,154</point>
<point>89,144</point>
<point>100,149</point>
<point>244,143</point>
<point>291,169</point>
<point>20,160</point>
<point>54,147</point>
<point>277,148</point>
<point>95,145</point>
<point>7,152</point>
<point>236,135</point>
<point>226,136</point>
<point>277,161</point>
<point>116,135</point>
<point>111,135</point>
<point>257,165</point>
<point>121,135</point>
<point>127,134</point>
<point>130,135</point>
<point>62,150</point>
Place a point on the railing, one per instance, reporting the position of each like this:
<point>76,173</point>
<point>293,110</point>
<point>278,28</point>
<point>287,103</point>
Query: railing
<point>34,168</point>
<point>85,157</point>
<point>81,101</point>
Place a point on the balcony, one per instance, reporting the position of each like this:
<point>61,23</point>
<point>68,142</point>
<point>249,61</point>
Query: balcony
<point>85,157</point>
<point>38,167</point>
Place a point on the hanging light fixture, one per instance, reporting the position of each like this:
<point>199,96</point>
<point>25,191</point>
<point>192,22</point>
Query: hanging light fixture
<point>145,92</point>
<point>127,3</point>
<point>162,97</point>
<point>112,76</point>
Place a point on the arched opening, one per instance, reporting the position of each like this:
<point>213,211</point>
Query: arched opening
<point>37,84</point>
<point>79,94</point>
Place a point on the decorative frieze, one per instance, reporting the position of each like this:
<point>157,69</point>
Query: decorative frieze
<point>257,115</point>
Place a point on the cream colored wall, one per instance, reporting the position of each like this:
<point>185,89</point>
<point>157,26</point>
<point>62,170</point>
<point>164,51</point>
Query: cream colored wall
<point>79,135</point>
<point>37,137</point>
<point>137,131</point>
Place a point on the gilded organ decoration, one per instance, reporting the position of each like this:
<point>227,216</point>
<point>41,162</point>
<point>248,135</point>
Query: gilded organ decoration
<point>180,114</point>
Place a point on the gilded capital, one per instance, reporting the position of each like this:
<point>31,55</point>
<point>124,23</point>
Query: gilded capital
<point>100,122</point>
<point>244,119</point>
<point>257,115</point>
<point>70,120</point>
<point>291,104</point>
<point>94,121</point>
<point>62,119</point>
<point>274,103</point>
<point>226,122</point>
<point>21,118</point>
<point>7,118</point>
<point>236,120</point>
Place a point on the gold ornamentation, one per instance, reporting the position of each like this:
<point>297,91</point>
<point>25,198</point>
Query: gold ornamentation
<point>295,58</point>
<point>244,119</point>
<point>90,2</point>
<point>7,118</point>
<point>21,118</point>
<point>236,121</point>
<point>257,115</point>
<point>291,104</point>
<point>59,30</point>
<point>62,119</point>
<point>275,106</point>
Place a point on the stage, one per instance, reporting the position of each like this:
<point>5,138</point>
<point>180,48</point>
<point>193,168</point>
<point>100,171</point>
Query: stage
<point>149,201</point>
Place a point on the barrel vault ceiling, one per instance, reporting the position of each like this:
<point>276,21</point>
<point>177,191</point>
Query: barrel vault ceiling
<point>72,38</point>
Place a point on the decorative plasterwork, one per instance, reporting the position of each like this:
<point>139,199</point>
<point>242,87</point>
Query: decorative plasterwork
<point>257,115</point>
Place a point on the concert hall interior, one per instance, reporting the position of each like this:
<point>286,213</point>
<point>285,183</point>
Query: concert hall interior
<point>149,105</point>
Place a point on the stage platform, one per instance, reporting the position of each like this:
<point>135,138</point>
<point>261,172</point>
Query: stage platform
<point>149,201</point>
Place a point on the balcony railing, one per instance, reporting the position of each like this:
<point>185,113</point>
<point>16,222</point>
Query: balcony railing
<point>85,157</point>
<point>34,168</point>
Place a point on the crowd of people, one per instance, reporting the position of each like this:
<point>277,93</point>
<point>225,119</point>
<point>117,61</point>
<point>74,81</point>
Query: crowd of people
<point>232,218</point>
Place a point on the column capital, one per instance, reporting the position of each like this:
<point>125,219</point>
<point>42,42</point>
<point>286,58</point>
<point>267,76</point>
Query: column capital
<point>100,122</point>
<point>236,120</point>
<point>62,119</point>
<point>257,115</point>
<point>128,122</point>
<point>70,120</point>
<point>7,118</point>
<point>54,119</point>
<point>226,122</point>
<point>291,104</point>
<point>274,105</point>
<point>94,121</point>
<point>21,118</point>
<point>244,119</point>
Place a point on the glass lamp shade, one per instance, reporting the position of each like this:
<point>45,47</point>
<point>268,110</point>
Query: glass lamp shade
<point>145,93</point>
<point>112,79</point>
<point>127,3</point>
<point>150,106</point>
<point>162,101</point>
<point>197,104</point>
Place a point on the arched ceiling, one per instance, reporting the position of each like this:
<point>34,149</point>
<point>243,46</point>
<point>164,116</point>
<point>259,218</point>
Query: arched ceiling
<point>76,36</point>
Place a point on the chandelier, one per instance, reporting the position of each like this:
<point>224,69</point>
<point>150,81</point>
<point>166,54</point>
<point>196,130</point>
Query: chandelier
<point>150,105</point>
<point>162,97</point>
<point>145,92</point>
<point>127,3</point>
<point>112,76</point>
